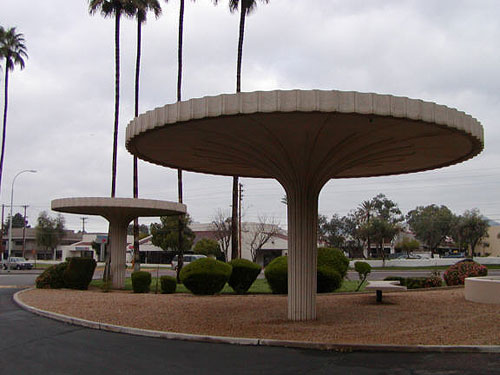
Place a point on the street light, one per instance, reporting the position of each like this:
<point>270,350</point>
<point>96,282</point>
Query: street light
<point>11,203</point>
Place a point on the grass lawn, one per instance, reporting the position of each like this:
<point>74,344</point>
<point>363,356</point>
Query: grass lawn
<point>260,286</point>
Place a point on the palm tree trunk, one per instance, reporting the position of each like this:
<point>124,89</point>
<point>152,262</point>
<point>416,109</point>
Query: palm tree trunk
<point>137,255</point>
<point>180,262</point>
<point>107,268</point>
<point>4,130</point>
<point>117,102</point>
<point>234,214</point>
<point>240,46</point>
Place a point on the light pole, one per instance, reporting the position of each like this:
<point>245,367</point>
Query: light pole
<point>11,203</point>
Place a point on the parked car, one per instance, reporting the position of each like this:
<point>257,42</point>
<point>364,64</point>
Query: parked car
<point>187,258</point>
<point>17,263</point>
<point>409,256</point>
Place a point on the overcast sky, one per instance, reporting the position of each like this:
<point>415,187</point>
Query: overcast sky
<point>60,119</point>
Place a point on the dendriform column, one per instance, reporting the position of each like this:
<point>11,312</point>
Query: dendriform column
<point>118,248</point>
<point>302,251</point>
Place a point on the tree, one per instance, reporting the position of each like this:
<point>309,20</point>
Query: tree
<point>17,222</point>
<point>473,228</point>
<point>13,50</point>
<point>207,246</point>
<point>49,231</point>
<point>166,236</point>
<point>221,225</point>
<point>431,224</point>
<point>354,240</point>
<point>143,230</point>
<point>380,231</point>
<point>332,232</point>
<point>388,216</point>
<point>116,8</point>
<point>261,233</point>
<point>245,7</point>
<point>364,213</point>
<point>142,8</point>
<point>408,245</point>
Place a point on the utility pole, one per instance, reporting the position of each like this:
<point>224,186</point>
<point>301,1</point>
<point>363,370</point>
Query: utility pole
<point>239,219</point>
<point>24,229</point>
<point>1,242</point>
<point>83,219</point>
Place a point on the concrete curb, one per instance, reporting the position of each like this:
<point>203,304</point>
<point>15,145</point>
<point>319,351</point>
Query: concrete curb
<point>255,342</point>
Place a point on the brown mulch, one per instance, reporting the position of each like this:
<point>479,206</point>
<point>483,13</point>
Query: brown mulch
<point>436,317</point>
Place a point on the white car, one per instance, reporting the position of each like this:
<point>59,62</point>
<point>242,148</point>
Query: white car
<point>17,263</point>
<point>187,258</point>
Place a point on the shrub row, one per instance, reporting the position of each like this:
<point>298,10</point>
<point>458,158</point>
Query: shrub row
<point>418,282</point>
<point>331,270</point>
<point>76,273</point>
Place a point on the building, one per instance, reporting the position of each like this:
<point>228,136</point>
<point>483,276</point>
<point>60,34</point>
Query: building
<point>491,244</point>
<point>24,244</point>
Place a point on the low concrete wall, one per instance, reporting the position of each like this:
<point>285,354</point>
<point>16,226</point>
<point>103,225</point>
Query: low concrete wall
<point>425,262</point>
<point>485,289</point>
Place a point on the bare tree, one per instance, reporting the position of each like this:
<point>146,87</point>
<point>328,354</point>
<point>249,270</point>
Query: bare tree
<point>222,228</point>
<point>263,231</point>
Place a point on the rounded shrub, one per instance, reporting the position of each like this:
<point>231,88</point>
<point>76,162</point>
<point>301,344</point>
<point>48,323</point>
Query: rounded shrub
<point>52,277</point>
<point>328,279</point>
<point>168,284</point>
<point>205,276</point>
<point>78,274</point>
<point>276,274</point>
<point>243,275</point>
<point>333,258</point>
<point>363,268</point>
<point>456,274</point>
<point>141,281</point>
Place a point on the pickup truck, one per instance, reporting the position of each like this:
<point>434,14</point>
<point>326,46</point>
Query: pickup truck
<point>17,263</point>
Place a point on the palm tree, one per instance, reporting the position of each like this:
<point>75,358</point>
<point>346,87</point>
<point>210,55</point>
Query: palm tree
<point>365,210</point>
<point>245,7</point>
<point>142,8</point>
<point>116,8</point>
<point>13,50</point>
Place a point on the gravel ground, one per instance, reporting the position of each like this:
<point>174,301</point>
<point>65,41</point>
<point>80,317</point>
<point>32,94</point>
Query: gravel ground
<point>437,317</point>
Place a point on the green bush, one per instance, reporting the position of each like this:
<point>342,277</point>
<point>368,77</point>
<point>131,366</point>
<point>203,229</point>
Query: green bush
<point>141,281</point>
<point>243,275</point>
<point>207,246</point>
<point>205,276</point>
<point>52,277</point>
<point>276,274</point>
<point>168,284</point>
<point>78,274</point>
<point>328,279</point>
<point>456,274</point>
<point>333,258</point>
<point>417,282</point>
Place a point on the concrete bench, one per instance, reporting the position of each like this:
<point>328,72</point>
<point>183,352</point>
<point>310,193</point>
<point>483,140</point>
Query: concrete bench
<point>380,286</point>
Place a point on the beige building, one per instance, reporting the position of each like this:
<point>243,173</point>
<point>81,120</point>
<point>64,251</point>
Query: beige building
<point>491,244</point>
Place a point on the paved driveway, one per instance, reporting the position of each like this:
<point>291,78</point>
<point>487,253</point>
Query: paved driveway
<point>30,344</point>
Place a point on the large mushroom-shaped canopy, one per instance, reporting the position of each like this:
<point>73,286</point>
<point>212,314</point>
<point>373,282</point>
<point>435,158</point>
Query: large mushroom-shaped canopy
<point>303,139</point>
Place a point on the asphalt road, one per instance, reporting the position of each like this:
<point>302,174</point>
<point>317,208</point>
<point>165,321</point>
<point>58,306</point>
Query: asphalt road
<point>31,344</point>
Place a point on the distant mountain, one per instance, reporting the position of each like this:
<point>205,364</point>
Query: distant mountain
<point>492,223</point>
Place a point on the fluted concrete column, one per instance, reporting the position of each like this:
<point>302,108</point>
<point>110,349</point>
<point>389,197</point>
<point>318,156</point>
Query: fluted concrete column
<point>302,253</point>
<point>118,249</point>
